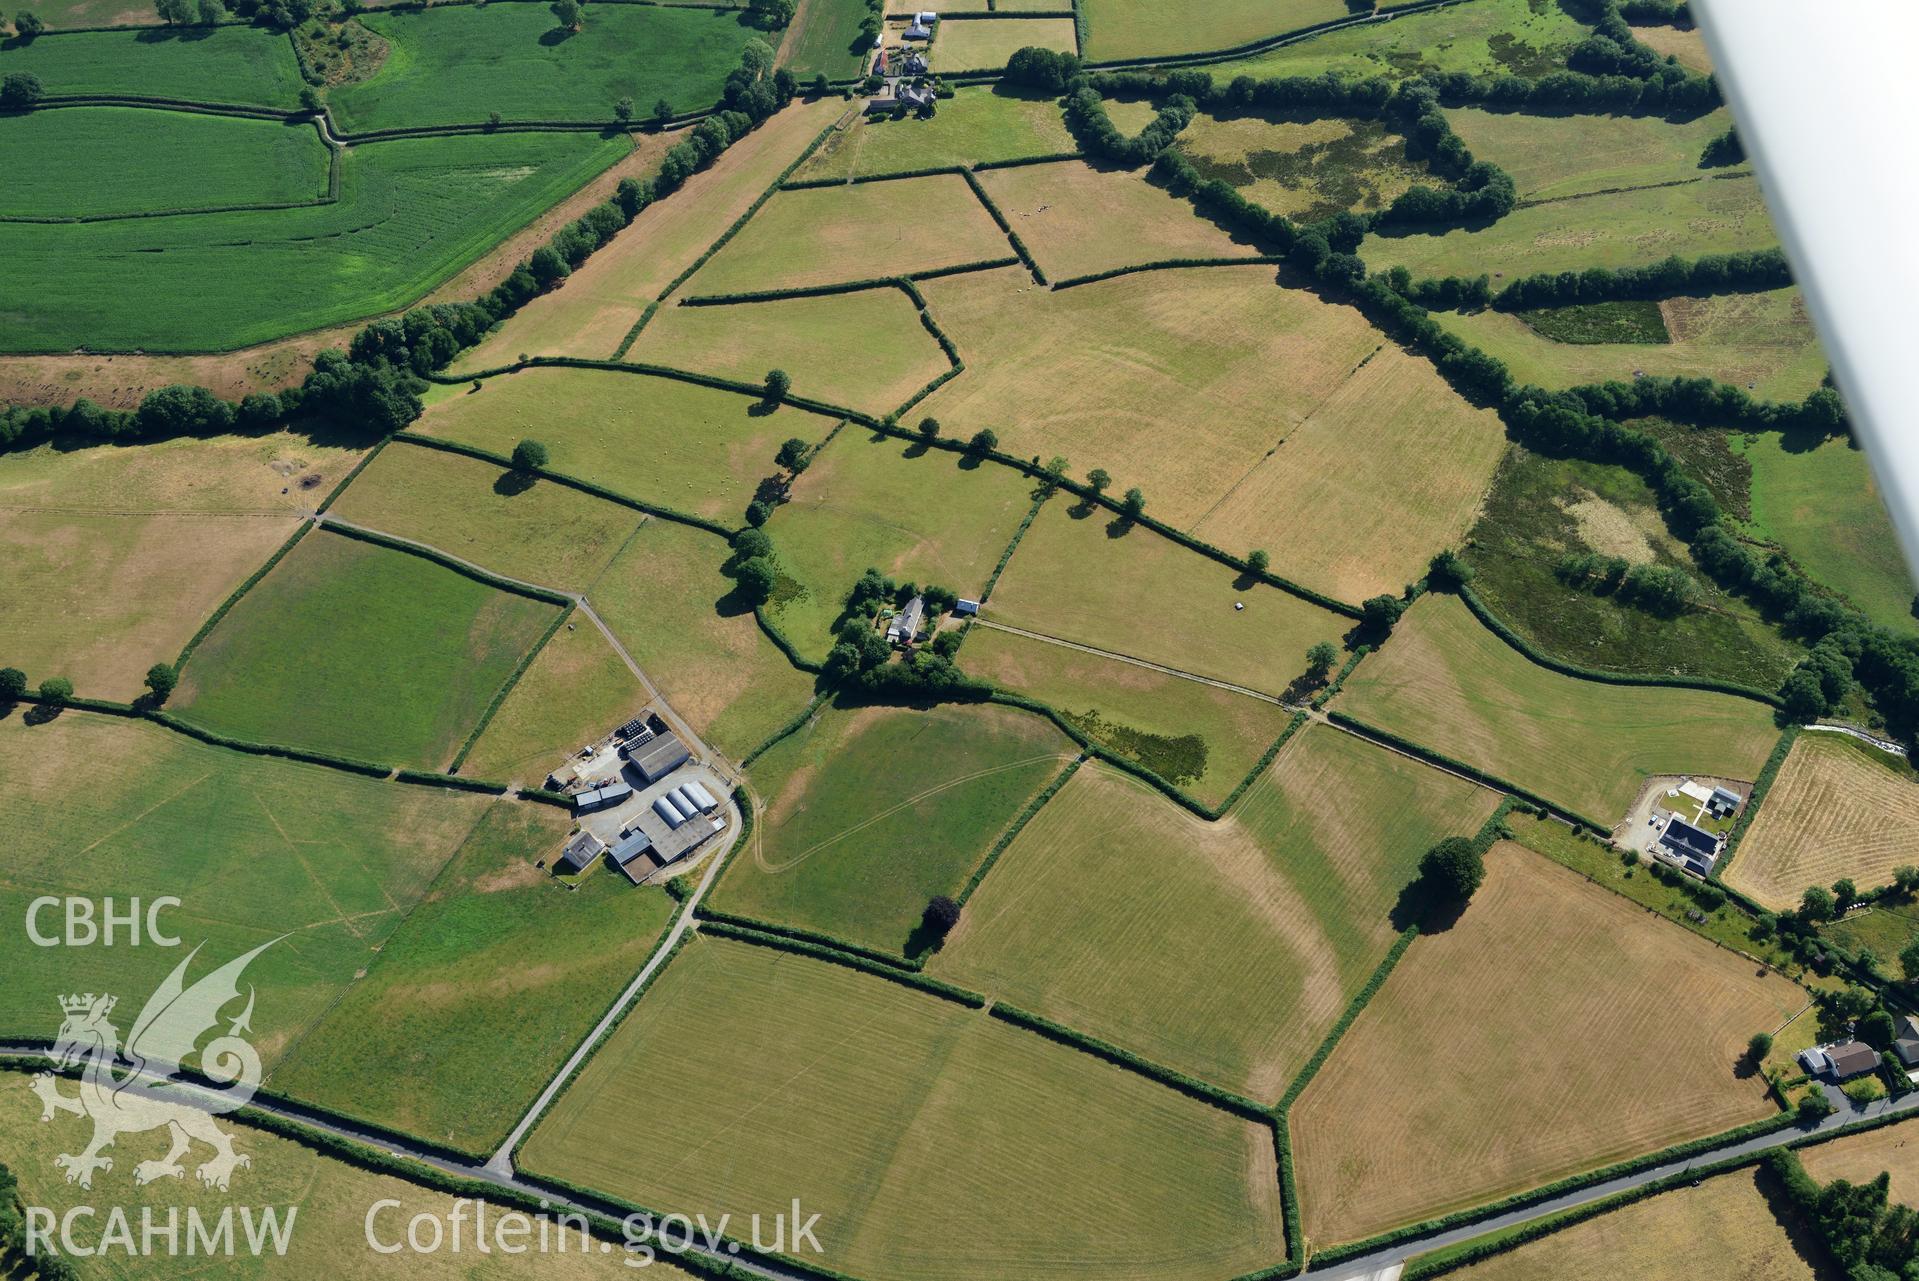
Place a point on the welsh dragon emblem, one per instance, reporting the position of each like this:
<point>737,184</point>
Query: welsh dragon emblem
<point>140,1087</point>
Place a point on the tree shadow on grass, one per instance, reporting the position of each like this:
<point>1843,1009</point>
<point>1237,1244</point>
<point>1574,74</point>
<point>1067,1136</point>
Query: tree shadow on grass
<point>1419,905</point>
<point>923,941</point>
<point>557,36</point>
<point>511,484</point>
<point>1119,526</point>
<point>41,714</point>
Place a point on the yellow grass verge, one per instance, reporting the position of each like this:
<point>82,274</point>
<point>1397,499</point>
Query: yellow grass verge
<point>1892,1149</point>
<point>1831,813</point>
<point>1555,1028</point>
<point>1395,428</point>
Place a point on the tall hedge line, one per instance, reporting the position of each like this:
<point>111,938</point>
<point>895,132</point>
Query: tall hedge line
<point>1018,825</point>
<point>852,961</point>
<point>445,561</point>
<point>1012,237</point>
<point>1191,1086</point>
<point>233,597</point>
<point>1768,774</point>
<point>1674,277</point>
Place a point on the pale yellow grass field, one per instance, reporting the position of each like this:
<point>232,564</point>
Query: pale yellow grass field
<point>984,44</point>
<point>590,313</point>
<point>1448,683</point>
<point>1571,155</point>
<point>1277,914</point>
<point>1139,28</point>
<point>830,235</point>
<point>1147,597</point>
<point>1862,1158</point>
<point>1077,220</point>
<point>575,690</point>
<point>1178,382</point>
<point>1388,470</point>
<point>1722,1230</point>
<point>267,475</point>
<point>1683,43</point>
<point>1555,1028</point>
<point>1830,813</point>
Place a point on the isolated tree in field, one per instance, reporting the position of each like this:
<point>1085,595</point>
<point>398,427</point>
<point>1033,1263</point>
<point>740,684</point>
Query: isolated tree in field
<point>1759,1047</point>
<point>942,914</point>
<point>983,442</point>
<point>28,25</point>
<point>13,683</point>
<point>161,678</point>
<point>1133,504</point>
<point>529,455</point>
<point>571,13</point>
<point>929,428</point>
<point>56,690</point>
<point>792,453</point>
<point>1320,659</point>
<point>778,383</point>
<point>1257,560</point>
<point>756,577</point>
<point>623,110</point>
<point>1453,869</point>
<point>20,89</point>
<point>1099,480</point>
<point>1816,904</point>
<point>662,111</point>
<point>1380,612</point>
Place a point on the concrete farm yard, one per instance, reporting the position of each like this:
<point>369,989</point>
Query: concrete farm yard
<point>1040,629</point>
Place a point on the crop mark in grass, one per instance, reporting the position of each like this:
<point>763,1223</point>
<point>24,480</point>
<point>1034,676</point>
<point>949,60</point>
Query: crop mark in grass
<point>141,816</point>
<point>293,848</point>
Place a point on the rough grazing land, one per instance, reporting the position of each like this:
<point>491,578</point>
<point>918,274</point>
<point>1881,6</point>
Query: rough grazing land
<point>576,691</point>
<point>254,848</point>
<point>1277,914</point>
<point>829,235</point>
<point>1139,28</point>
<point>932,1140</point>
<point>1487,37</point>
<point>1307,168</point>
<point>355,649</point>
<point>1180,381</point>
<point>1077,220</point>
<point>1575,155</point>
<point>1389,469</point>
<point>1862,1158</point>
<point>1145,596</point>
<point>1512,1049</point>
<point>870,813</point>
<point>984,44</point>
<point>1198,737</point>
<point>917,515</point>
<point>1837,809</point>
<point>975,125</point>
<point>1446,682</point>
<point>1723,1230</point>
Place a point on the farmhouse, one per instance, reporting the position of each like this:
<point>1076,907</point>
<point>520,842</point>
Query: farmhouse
<point>1840,1062</point>
<point>657,756</point>
<point>581,851</point>
<point>1687,846</point>
<point>905,628</point>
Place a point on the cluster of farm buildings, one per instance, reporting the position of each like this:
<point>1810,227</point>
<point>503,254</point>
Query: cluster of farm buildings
<point>641,800</point>
<point>1694,844</point>
<point>903,66</point>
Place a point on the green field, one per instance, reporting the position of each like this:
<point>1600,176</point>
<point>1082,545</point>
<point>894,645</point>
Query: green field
<point>975,125</point>
<point>1541,509</point>
<point>670,606</point>
<point>1306,168</point>
<point>418,1044</point>
<point>411,213</point>
<point>1486,37</point>
<point>149,161</point>
<point>358,650</point>
<point>1447,683</point>
<point>985,44</point>
<point>538,532</point>
<point>932,1140</point>
<point>1141,28</point>
<point>455,64</point>
<point>245,65</point>
<point>871,812</point>
<point>576,690</point>
<point>875,501</point>
<point>254,848</point>
<point>824,38</point>
<point>1622,229</point>
<point>1551,157</point>
<point>1277,914</point>
<point>1075,577</point>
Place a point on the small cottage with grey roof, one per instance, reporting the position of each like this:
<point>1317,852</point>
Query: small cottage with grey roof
<point>580,852</point>
<point>1850,1059</point>
<point>906,624</point>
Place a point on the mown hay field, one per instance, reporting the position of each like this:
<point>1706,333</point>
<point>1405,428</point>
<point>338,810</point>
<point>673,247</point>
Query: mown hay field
<point>1762,341</point>
<point>236,64</point>
<point>1621,229</point>
<point>918,515</point>
<point>254,848</point>
<point>591,314</point>
<point>1511,1049</point>
<point>865,351</point>
<point>535,531</point>
<point>666,600</point>
<point>417,1043</point>
<point>824,37</point>
<point>1551,157</point>
<point>984,44</point>
<point>455,64</point>
<point>1838,809</point>
<point>576,690</point>
<point>830,235</point>
<point>1861,1158</point>
<point>931,1139</point>
<point>412,212</point>
<point>1146,596</point>
<point>1306,168</point>
<point>1684,43</point>
<point>1139,28</point>
<point>153,161</point>
<point>278,473</point>
<point>1487,37</point>
<point>329,1197</point>
<point>1394,431</point>
<point>1263,925</point>
<point>361,651</point>
<point>1198,737</point>
<point>1077,220</point>
<point>1178,382</point>
<point>1446,682</point>
<point>692,448</point>
<point>978,124</point>
<point>1722,1230</point>
<point>871,812</point>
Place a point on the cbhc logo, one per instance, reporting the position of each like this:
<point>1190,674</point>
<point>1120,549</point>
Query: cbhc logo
<point>88,923</point>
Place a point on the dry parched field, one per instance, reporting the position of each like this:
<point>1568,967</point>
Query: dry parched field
<point>984,44</point>
<point>1222,949</point>
<point>932,1140</point>
<point>1555,1028</point>
<point>1449,684</point>
<point>1834,811</point>
<point>1862,1158</point>
<point>1722,1230</point>
<point>1179,382</point>
<point>1138,28</point>
<point>1390,469</point>
<point>1077,220</point>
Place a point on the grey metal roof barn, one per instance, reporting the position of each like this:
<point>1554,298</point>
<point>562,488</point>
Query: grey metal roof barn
<point>581,851</point>
<point>668,814</point>
<point>699,793</point>
<point>615,791</point>
<point>660,757</point>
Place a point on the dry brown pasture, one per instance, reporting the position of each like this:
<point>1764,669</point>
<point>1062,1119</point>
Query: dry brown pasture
<point>1683,43</point>
<point>1077,220</point>
<point>1832,812</point>
<point>1893,1149</point>
<point>1722,1230</point>
<point>1179,382</point>
<point>1387,471</point>
<point>591,313</point>
<point>1556,1027</point>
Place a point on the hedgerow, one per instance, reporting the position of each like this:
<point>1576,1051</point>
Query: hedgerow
<point>1190,1086</point>
<point>852,961</point>
<point>815,937</point>
<point>445,561</point>
<point>1012,237</point>
<point>1017,826</point>
<point>233,598</point>
<point>1714,273</point>
<point>1768,773</point>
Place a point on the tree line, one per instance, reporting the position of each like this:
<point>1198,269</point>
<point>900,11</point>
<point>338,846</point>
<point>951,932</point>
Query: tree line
<point>1711,274</point>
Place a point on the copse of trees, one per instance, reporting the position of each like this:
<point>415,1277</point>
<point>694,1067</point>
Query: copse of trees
<point>1093,128</point>
<point>1724,149</point>
<point>1043,69</point>
<point>1869,1236</point>
<point>19,90</point>
<point>1675,276</point>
